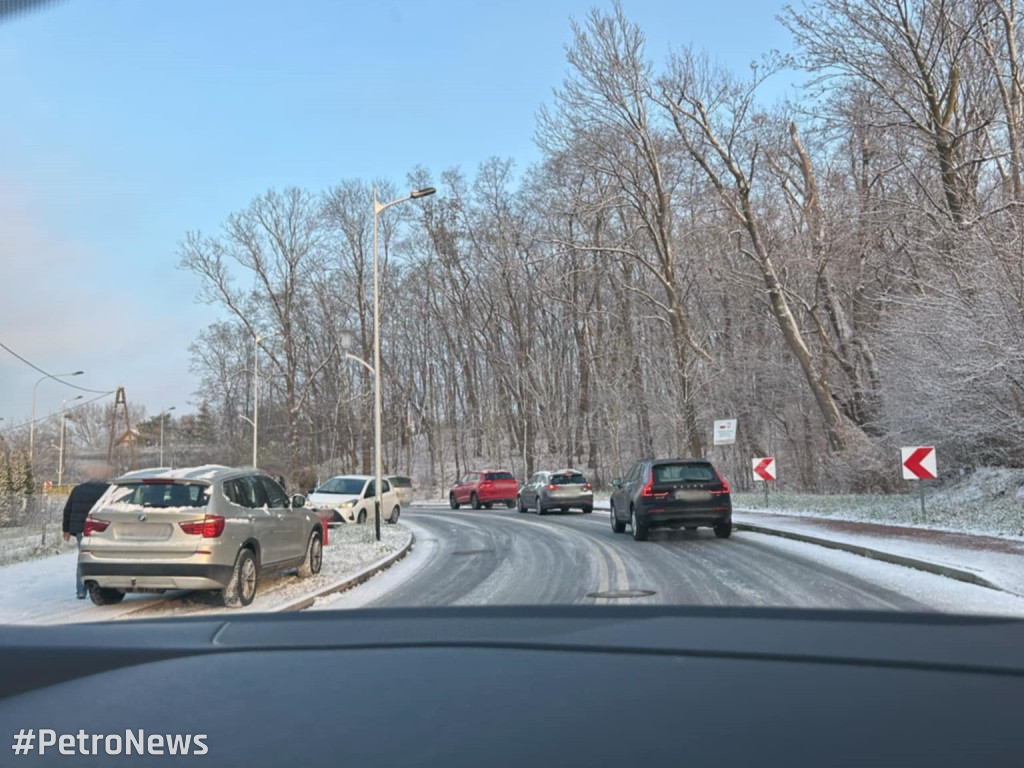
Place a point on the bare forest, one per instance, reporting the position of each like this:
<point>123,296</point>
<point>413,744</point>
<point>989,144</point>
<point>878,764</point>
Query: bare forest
<point>842,271</point>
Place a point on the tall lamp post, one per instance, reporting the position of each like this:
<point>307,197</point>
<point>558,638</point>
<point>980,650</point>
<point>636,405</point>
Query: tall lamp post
<point>32,423</point>
<point>164,413</point>
<point>63,424</point>
<point>378,208</point>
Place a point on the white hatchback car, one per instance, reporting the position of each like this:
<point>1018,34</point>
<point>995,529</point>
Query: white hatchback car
<point>351,498</point>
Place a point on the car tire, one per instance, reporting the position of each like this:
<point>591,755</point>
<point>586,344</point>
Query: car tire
<point>519,505</point>
<point>452,502</point>
<point>639,530</point>
<point>723,530</point>
<point>587,510</point>
<point>474,501</point>
<point>314,556</point>
<point>539,509</point>
<point>241,590</point>
<point>395,513</point>
<point>105,595</point>
<point>617,525</point>
<point>488,504</point>
<point>361,517</point>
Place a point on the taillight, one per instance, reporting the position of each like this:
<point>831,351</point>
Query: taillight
<point>210,527</point>
<point>586,486</point>
<point>486,484</point>
<point>725,485</point>
<point>552,487</point>
<point>648,489</point>
<point>93,525</point>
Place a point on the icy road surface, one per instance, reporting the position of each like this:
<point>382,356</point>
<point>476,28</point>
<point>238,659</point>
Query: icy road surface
<point>502,557</point>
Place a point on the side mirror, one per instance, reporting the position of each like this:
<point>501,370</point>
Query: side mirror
<point>617,482</point>
<point>298,500</point>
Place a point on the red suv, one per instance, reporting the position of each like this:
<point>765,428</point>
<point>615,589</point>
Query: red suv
<point>483,489</point>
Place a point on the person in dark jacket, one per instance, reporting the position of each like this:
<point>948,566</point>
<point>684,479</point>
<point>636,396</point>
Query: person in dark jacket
<point>79,503</point>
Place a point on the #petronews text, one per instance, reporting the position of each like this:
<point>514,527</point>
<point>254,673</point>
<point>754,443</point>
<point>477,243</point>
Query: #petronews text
<point>132,743</point>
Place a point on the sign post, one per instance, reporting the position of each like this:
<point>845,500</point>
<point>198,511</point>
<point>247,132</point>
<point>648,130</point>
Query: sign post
<point>764,472</point>
<point>919,464</point>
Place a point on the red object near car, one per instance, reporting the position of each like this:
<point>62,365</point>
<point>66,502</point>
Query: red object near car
<point>484,488</point>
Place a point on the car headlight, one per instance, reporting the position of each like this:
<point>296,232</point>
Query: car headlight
<point>348,504</point>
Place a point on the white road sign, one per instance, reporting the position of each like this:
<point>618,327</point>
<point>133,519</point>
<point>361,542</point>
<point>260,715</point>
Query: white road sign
<point>725,432</point>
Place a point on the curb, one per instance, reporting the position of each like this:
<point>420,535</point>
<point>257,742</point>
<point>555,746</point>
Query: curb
<point>351,581</point>
<point>876,554</point>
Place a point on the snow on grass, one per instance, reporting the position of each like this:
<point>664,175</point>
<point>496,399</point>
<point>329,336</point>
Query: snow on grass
<point>43,591</point>
<point>988,501</point>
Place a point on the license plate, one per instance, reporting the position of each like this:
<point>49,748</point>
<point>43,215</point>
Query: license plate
<point>683,495</point>
<point>144,531</point>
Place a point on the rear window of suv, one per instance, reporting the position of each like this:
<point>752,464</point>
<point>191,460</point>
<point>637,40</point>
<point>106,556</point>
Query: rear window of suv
<point>401,482</point>
<point>165,495</point>
<point>498,476</point>
<point>684,473</point>
<point>568,479</point>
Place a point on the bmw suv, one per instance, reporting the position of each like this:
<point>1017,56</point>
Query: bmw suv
<point>671,493</point>
<point>208,527</point>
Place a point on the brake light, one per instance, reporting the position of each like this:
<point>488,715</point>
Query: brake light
<point>586,486</point>
<point>552,487</point>
<point>93,525</point>
<point>725,485</point>
<point>648,489</point>
<point>486,484</point>
<point>210,527</point>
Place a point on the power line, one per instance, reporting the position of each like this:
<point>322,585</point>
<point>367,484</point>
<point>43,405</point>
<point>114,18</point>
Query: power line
<point>51,415</point>
<point>50,375</point>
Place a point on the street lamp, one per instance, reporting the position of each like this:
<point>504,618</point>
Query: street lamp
<point>378,208</point>
<point>32,423</point>
<point>165,412</point>
<point>257,338</point>
<point>63,422</point>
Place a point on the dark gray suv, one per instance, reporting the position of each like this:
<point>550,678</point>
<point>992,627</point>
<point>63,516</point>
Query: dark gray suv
<point>671,493</point>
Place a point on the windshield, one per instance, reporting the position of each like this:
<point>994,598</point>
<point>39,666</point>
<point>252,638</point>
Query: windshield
<point>350,486</point>
<point>732,291</point>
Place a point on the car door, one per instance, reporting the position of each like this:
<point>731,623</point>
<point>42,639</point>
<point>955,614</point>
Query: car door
<point>620,496</point>
<point>524,493</point>
<point>634,482</point>
<point>254,498</point>
<point>290,526</point>
<point>462,489</point>
<point>388,499</point>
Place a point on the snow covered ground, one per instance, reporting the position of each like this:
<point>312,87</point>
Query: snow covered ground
<point>998,560</point>
<point>988,501</point>
<point>42,591</point>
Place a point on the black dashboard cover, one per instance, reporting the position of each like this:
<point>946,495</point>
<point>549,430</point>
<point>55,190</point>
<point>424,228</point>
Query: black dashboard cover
<point>520,687</point>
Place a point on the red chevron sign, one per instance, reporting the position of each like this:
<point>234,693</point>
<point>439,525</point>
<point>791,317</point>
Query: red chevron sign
<point>764,469</point>
<point>919,462</point>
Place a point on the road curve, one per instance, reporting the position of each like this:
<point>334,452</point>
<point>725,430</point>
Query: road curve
<point>501,557</point>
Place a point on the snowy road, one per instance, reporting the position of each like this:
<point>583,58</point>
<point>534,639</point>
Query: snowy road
<point>502,557</point>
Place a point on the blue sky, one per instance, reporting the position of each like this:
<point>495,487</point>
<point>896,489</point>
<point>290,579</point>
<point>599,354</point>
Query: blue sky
<point>129,122</point>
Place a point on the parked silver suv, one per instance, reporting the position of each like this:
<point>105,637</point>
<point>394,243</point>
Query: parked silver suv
<point>207,527</point>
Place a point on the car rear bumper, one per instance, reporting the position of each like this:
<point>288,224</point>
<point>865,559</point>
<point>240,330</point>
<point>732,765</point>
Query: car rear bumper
<point>677,516</point>
<point>575,500</point>
<point>499,495</point>
<point>169,575</point>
